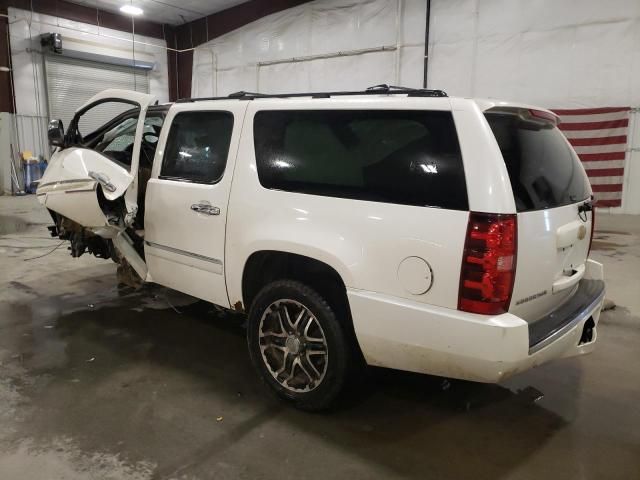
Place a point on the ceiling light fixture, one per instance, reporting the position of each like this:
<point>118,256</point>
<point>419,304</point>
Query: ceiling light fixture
<point>131,10</point>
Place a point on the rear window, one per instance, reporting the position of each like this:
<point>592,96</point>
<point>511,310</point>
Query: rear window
<point>543,169</point>
<point>404,157</point>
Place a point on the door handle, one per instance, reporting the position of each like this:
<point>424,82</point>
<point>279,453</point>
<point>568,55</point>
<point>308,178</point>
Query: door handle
<point>205,209</point>
<point>103,180</point>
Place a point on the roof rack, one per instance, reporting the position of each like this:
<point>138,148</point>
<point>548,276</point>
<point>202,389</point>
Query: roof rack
<point>382,89</point>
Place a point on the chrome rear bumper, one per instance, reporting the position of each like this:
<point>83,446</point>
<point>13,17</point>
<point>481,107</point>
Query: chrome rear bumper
<point>577,309</point>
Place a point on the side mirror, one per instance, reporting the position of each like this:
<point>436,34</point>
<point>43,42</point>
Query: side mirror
<point>55,132</point>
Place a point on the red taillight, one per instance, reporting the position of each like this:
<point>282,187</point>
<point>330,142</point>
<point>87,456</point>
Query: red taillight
<point>488,263</point>
<point>593,228</point>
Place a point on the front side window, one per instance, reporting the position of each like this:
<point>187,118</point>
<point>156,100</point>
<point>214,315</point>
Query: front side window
<point>117,142</point>
<point>101,114</point>
<point>197,147</point>
<point>407,157</point>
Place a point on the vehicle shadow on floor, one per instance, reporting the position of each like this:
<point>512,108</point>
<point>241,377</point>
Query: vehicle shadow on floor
<point>177,379</point>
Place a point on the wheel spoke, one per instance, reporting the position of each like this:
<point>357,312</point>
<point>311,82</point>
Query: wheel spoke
<point>271,333</point>
<point>316,350</point>
<point>287,318</point>
<point>284,330</point>
<point>304,328</point>
<point>291,371</point>
<point>281,370</point>
<point>270,340</point>
<point>299,318</point>
<point>264,348</point>
<point>306,333</point>
<point>313,367</point>
<point>306,372</point>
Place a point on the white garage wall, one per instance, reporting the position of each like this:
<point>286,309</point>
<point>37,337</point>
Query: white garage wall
<point>557,54</point>
<point>336,44</point>
<point>28,72</point>
<point>631,188</point>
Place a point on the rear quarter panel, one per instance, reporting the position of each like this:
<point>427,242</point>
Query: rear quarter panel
<point>488,185</point>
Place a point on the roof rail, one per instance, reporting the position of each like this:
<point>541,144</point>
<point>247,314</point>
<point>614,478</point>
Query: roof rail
<point>382,89</point>
<point>243,94</point>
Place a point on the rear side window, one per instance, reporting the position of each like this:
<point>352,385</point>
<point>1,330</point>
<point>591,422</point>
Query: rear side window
<point>543,169</point>
<point>404,157</point>
<point>197,147</point>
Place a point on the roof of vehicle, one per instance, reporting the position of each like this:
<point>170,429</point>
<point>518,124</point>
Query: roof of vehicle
<point>163,108</point>
<point>381,90</point>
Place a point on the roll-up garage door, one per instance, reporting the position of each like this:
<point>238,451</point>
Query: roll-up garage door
<point>71,82</point>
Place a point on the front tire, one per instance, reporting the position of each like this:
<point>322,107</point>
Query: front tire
<point>297,345</point>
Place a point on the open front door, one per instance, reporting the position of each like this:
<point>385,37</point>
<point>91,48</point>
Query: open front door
<point>93,179</point>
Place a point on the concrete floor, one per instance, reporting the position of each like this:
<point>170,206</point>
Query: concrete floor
<point>102,383</point>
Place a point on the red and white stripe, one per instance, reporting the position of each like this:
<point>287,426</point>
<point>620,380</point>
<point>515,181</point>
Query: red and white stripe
<point>599,136</point>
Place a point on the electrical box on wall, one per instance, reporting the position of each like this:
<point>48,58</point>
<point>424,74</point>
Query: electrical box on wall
<point>53,41</point>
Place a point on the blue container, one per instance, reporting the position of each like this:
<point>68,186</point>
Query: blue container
<point>31,170</point>
<point>42,166</point>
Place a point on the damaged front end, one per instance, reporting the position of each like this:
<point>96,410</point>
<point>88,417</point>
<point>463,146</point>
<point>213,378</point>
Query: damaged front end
<point>83,240</point>
<point>91,184</point>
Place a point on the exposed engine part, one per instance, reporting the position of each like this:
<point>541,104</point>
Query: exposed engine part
<point>114,210</point>
<point>81,239</point>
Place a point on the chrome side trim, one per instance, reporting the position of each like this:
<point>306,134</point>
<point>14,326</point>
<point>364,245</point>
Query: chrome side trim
<point>67,186</point>
<point>579,318</point>
<point>183,252</point>
<point>80,191</point>
<point>65,182</point>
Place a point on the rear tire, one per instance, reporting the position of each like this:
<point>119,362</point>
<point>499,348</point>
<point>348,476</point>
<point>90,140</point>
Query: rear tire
<point>297,345</point>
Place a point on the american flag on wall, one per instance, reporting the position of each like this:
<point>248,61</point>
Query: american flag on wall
<point>599,136</point>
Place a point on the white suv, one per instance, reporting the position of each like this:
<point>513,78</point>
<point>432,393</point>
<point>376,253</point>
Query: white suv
<point>415,231</point>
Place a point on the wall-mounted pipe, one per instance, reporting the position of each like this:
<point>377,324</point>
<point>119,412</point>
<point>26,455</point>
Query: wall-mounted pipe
<point>426,44</point>
<point>344,53</point>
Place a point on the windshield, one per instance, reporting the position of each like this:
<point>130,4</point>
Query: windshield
<point>543,169</point>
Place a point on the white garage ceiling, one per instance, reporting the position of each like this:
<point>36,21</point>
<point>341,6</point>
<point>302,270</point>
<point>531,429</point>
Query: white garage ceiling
<point>172,12</point>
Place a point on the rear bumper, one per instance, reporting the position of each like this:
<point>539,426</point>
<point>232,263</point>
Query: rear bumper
<point>406,335</point>
<point>590,293</point>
